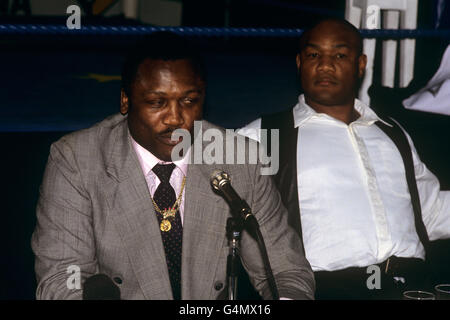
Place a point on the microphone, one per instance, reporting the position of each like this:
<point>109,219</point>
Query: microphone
<point>220,181</point>
<point>100,287</point>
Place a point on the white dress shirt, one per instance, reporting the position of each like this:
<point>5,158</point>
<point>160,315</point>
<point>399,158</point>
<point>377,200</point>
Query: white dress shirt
<point>147,161</point>
<point>354,200</point>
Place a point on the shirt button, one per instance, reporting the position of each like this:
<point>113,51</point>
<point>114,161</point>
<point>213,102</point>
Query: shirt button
<point>218,285</point>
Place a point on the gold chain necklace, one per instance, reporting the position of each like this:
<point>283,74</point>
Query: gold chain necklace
<point>165,224</point>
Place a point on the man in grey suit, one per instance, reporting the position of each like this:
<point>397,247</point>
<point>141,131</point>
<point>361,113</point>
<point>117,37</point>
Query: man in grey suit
<point>102,201</point>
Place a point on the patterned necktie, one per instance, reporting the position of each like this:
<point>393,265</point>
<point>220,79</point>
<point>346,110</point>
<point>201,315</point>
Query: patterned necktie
<point>165,198</point>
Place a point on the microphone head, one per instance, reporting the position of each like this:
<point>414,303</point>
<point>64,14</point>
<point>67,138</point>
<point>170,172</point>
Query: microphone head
<point>219,178</point>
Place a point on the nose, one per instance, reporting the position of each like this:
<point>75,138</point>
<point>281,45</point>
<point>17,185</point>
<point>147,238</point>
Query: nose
<point>325,63</point>
<point>174,115</point>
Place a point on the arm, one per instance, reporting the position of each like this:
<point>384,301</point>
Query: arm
<point>291,270</point>
<point>434,202</point>
<point>63,236</point>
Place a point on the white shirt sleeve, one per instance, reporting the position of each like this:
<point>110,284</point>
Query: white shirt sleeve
<point>434,202</point>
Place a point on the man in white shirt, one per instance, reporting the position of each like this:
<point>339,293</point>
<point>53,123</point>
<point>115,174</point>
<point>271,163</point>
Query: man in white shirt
<point>345,186</point>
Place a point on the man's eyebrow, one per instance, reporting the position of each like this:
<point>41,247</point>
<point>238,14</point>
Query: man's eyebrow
<point>312,45</point>
<point>316,46</point>
<point>194,91</point>
<point>341,45</point>
<point>162,93</point>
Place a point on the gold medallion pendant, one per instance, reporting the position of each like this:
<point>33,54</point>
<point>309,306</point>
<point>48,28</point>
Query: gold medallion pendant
<point>170,212</point>
<point>165,225</point>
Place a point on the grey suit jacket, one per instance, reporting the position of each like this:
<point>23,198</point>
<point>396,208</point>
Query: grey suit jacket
<point>95,212</point>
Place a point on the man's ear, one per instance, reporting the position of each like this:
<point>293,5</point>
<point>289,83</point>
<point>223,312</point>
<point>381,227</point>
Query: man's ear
<point>298,61</point>
<point>124,102</point>
<point>362,62</point>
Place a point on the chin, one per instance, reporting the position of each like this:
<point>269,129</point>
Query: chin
<point>331,98</point>
<point>326,99</point>
<point>163,153</point>
<point>166,156</point>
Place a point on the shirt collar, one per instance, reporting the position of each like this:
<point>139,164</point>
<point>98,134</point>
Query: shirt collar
<point>148,160</point>
<point>303,112</point>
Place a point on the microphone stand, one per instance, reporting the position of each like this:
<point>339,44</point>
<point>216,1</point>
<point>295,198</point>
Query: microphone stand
<point>234,229</point>
<point>242,217</point>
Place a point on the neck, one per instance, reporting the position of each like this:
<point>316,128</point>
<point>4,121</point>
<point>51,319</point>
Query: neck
<point>344,112</point>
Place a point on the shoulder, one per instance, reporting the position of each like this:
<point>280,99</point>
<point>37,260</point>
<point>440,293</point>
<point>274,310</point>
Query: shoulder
<point>389,124</point>
<point>96,135</point>
<point>255,124</point>
<point>88,147</point>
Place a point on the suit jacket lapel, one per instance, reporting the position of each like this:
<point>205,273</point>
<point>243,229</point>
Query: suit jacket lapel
<point>135,218</point>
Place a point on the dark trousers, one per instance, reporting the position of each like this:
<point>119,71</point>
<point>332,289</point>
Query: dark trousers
<point>351,283</point>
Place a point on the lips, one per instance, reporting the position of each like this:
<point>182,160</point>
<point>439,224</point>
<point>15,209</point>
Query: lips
<point>325,81</point>
<point>166,138</point>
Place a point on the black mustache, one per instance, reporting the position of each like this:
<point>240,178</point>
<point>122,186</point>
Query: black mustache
<point>168,132</point>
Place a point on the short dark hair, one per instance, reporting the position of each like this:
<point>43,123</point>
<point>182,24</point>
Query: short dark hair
<point>350,27</point>
<point>161,45</point>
